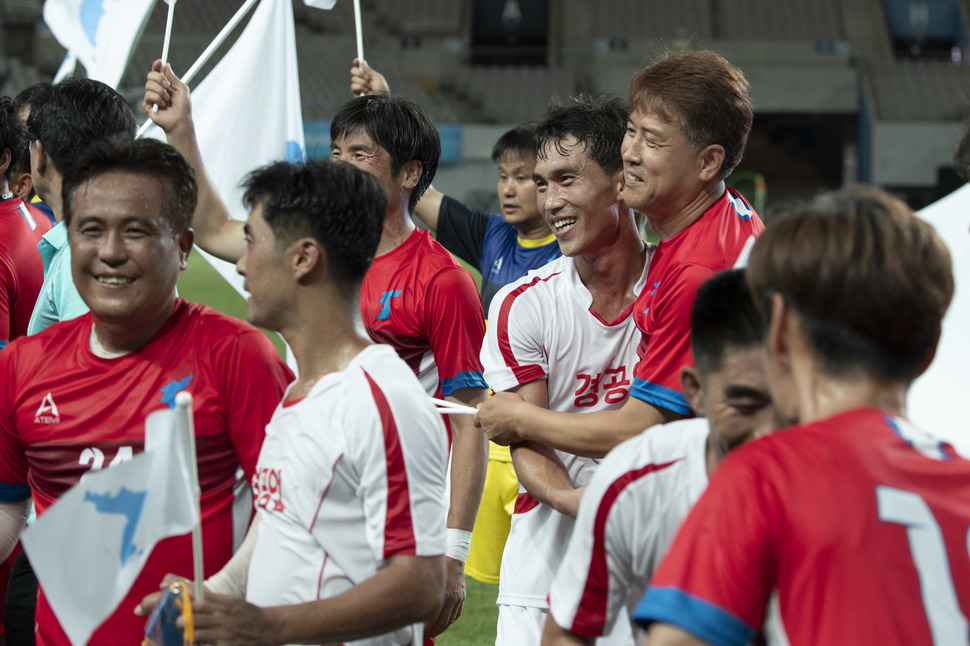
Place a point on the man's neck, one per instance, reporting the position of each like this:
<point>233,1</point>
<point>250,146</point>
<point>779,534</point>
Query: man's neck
<point>669,225</point>
<point>820,396</point>
<point>611,276</point>
<point>397,227</point>
<point>534,231</point>
<point>111,339</point>
<point>51,195</point>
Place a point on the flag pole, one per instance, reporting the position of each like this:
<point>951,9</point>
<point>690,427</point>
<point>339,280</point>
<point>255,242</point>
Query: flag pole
<point>183,411</point>
<point>359,30</point>
<point>167,40</point>
<point>209,51</point>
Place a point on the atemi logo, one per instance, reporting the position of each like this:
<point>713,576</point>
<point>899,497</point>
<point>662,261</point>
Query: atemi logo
<point>47,413</point>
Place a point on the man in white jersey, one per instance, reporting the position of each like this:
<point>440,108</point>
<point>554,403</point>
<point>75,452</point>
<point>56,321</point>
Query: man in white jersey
<point>643,489</point>
<point>350,485</point>
<point>563,337</point>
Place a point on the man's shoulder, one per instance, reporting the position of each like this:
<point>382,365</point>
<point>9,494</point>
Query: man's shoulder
<point>556,274</point>
<point>679,444</point>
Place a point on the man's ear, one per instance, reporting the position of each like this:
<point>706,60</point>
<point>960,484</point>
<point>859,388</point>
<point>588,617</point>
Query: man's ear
<point>22,185</point>
<point>412,174</point>
<point>38,158</point>
<point>712,158</point>
<point>5,160</point>
<point>305,256</point>
<point>185,240</point>
<point>690,383</point>
<point>777,341</point>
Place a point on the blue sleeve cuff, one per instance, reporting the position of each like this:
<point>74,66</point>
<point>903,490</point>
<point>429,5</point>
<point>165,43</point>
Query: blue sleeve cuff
<point>3,344</point>
<point>464,379</point>
<point>14,492</point>
<point>657,395</point>
<point>701,618</point>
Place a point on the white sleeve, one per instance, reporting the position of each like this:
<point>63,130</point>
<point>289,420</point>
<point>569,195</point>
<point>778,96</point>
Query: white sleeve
<point>403,457</point>
<point>593,582</point>
<point>231,579</point>
<point>513,352</point>
<point>13,518</point>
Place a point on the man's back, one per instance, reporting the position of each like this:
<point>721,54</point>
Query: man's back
<point>859,524</point>
<point>21,271</point>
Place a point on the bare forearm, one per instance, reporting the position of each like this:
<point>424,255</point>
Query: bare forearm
<point>555,635</point>
<point>468,462</point>
<point>544,476</point>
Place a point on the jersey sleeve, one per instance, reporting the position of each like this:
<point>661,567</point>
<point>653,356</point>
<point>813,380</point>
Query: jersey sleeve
<point>716,580</point>
<point>456,329</point>
<point>402,461</point>
<point>514,353</point>
<point>8,278</point>
<point>253,378</point>
<point>667,348</point>
<point>594,579</point>
<point>461,230</point>
<point>13,461</point>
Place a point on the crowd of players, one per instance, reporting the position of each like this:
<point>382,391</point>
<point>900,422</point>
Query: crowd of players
<point>623,372</point>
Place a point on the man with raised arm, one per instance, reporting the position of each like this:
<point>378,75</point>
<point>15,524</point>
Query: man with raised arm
<point>690,114</point>
<point>851,527</point>
<point>76,395</point>
<point>644,488</point>
<point>415,297</point>
<point>564,338</point>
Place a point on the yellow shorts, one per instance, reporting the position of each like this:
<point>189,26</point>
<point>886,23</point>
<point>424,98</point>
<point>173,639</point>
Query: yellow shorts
<point>494,516</point>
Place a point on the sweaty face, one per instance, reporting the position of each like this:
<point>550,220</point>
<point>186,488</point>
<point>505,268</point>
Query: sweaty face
<point>517,191</point>
<point>261,265</point>
<point>577,199</point>
<point>358,149</point>
<point>736,400</point>
<point>125,257</point>
<point>661,168</point>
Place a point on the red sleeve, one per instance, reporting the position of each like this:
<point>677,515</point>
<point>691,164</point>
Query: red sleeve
<point>456,329</point>
<point>13,463</point>
<point>7,290</point>
<point>665,347</point>
<point>253,379</point>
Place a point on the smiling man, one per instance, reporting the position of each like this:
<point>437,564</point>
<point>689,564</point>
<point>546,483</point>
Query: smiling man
<point>563,338</point>
<point>78,392</point>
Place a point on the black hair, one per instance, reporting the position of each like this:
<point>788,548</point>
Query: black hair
<point>12,136</point>
<point>723,316</point>
<point>146,157</point>
<point>340,206</point>
<point>401,127</point>
<point>73,114</point>
<point>597,123</point>
<point>520,141</point>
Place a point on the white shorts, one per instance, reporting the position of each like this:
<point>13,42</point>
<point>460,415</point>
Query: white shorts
<point>519,625</point>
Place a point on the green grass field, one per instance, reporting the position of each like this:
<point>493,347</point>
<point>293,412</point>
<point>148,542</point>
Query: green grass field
<point>476,627</point>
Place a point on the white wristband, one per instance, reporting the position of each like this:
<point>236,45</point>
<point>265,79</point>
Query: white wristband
<point>458,543</point>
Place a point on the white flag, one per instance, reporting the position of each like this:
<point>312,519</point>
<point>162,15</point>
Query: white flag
<point>100,33</point>
<point>247,110</point>
<point>113,518</point>
<point>320,4</point>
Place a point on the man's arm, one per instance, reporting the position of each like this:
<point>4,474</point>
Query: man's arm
<point>13,519</point>
<point>215,230</point>
<point>667,635</point>
<point>507,418</point>
<point>407,590</point>
<point>555,635</point>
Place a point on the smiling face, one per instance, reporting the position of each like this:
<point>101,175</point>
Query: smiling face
<point>517,191</point>
<point>125,255</point>
<point>577,199</point>
<point>662,170</point>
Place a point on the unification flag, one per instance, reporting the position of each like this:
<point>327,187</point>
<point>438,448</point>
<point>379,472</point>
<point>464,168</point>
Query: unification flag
<point>320,4</point>
<point>247,110</point>
<point>113,518</point>
<point>99,33</point>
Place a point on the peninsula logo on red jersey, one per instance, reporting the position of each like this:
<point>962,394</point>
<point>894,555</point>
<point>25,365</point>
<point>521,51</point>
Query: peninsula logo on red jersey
<point>47,413</point>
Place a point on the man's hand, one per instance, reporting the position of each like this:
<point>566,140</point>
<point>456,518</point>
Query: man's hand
<point>366,80</point>
<point>454,599</point>
<point>149,603</point>
<point>501,418</point>
<point>228,621</point>
<point>171,95</point>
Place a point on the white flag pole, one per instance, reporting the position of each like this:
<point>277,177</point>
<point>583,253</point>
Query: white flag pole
<point>359,30</point>
<point>183,410</point>
<point>167,40</point>
<point>209,51</point>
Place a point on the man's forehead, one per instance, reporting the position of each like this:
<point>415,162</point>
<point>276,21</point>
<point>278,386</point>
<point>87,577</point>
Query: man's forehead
<point>556,153</point>
<point>516,161</point>
<point>357,137</point>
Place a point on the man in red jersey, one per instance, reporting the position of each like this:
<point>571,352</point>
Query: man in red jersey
<point>850,528</point>
<point>690,114</point>
<point>76,395</point>
<point>21,226</point>
<point>415,297</point>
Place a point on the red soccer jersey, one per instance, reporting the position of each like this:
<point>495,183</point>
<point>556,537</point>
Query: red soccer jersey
<point>420,301</point>
<point>65,411</point>
<point>679,266</point>
<point>857,525</point>
<point>21,269</point>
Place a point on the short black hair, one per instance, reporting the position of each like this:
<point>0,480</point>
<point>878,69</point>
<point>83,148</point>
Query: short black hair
<point>597,123</point>
<point>26,96</point>
<point>12,136</point>
<point>520,141</point>
<point>146,157</point>
<point>401,127</point>
<point>723,316</point>
<point>340,206</point>
<point>71,115</point>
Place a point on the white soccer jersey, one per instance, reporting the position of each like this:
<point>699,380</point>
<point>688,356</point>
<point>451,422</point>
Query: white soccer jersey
<point>349,476</point>
<point>630,512</point>
<point>541,327</point>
